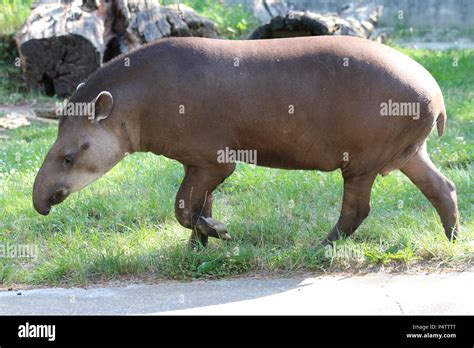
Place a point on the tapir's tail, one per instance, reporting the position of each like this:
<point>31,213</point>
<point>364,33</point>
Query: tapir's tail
<point>441,121</point>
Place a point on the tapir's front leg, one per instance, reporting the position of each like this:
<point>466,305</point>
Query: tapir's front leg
<point>193,206</point>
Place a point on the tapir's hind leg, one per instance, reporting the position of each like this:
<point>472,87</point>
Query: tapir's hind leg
<point>355,206</point>
<point>439,190</point>
<point>193,206</point>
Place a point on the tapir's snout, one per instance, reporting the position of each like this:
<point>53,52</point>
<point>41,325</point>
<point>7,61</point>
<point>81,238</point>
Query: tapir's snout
<point>43,211</point>
<point>47,193</point>
<point>40,201</point>
<point>43,204</point>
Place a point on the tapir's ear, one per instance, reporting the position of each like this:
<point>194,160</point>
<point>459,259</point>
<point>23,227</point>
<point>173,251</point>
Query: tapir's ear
<point>103,105</point>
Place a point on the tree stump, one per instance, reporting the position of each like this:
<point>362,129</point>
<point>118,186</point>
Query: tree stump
<point>60,45</point>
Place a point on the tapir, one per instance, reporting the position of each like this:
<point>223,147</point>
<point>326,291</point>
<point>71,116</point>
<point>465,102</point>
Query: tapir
<point>311,103</point>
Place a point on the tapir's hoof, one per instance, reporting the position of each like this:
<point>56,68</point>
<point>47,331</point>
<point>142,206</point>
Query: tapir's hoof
<point>452,234</point>
<point>213,228</point>
<point>196,244</point>
<point>325,242</point>
<point>197,241</point>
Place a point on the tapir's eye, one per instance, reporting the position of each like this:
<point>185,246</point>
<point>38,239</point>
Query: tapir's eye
<point>68,159</point>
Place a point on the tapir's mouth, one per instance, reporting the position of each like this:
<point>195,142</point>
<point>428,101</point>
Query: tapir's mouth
<point>57,197</point>
<point>43,211</point>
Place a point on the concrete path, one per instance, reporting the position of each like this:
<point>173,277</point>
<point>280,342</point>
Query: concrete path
<point>450,293</point>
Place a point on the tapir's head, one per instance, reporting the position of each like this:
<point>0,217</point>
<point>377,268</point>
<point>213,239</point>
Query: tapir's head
<point>87,146</point>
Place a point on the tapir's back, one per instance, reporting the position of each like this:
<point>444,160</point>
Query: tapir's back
<point>278,96</point>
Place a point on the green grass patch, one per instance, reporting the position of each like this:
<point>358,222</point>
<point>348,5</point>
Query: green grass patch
<point>124,223</point>
<point>13,14</point>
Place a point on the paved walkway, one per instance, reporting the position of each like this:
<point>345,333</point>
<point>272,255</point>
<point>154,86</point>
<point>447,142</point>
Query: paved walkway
<point>450,293</point>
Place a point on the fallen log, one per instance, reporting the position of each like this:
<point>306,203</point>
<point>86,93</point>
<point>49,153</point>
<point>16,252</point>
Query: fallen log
<point>356,21</point>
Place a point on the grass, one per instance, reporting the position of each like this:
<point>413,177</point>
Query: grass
<point>13,14</point>
<point>124,223</point>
